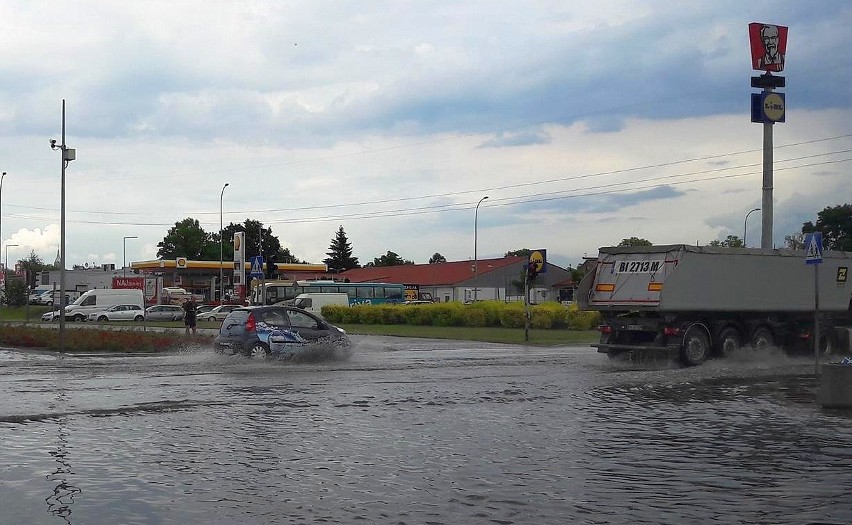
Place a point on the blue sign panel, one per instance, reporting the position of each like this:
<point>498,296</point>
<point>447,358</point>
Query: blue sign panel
<point>257,266</point>
<point>813,248</point>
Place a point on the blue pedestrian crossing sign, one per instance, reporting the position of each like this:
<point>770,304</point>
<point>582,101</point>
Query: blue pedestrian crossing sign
<point>813,248</point>
<point>257,266</point>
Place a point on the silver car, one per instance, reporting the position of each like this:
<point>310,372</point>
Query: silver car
<point>164,312</point>
<point>219,313</point>
<point>119,312</point>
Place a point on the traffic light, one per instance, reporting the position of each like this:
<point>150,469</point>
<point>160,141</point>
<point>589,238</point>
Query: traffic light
<point>271,268</point>
<point>532,270</point>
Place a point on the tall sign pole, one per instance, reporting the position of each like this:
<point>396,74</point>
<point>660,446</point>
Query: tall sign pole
<point>768,54</point>
<point>813,256</point>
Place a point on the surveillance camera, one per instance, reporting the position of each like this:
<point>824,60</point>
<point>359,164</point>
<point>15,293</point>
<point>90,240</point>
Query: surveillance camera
<point>52,143</point>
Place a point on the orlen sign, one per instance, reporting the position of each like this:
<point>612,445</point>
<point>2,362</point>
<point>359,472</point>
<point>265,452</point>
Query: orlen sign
<point>133,283</point>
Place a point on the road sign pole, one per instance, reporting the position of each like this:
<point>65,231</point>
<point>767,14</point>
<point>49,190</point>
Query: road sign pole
<point>816,319</point>
<point>813,255</point>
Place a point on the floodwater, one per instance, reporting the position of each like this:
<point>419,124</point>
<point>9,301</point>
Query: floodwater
<point>418,431</point>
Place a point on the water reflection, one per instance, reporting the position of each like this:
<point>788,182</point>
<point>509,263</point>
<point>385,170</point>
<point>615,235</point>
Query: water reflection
<point>60,501</point>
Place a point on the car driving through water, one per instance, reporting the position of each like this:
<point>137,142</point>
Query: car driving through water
<point>281,331</point>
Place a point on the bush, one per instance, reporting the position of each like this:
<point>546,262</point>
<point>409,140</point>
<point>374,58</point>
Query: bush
<point>582,320</point>
<point>445,314</point>
<point>91,340</point>
<point>512,316</point>
<point>475,317</point>
<point>550,315</point>
<point>417,314</point>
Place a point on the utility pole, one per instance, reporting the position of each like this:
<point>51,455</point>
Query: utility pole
<point>68,154</point>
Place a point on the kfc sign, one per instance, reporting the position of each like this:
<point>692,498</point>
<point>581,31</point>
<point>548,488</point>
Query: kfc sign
<point>768,46</point>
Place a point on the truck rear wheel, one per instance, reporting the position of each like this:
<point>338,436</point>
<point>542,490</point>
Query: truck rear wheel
<point>827,342</point>
<point>762,338</point>
<point>696,346</point>
<point>729,342</point>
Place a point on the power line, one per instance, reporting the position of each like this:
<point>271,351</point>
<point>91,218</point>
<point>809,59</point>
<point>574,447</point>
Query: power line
<point>513,201</point>
<point>493,188</point>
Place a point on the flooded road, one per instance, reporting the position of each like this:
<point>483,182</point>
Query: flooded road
<point>418,431</point>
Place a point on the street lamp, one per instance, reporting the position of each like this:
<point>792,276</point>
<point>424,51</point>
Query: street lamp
<point>1,205</point>
<point>745,225</point>
<point>68,154</point>
<point>6,267</point>
<point>124,257</point>
<point>475,268</point>
<point>221,271</point>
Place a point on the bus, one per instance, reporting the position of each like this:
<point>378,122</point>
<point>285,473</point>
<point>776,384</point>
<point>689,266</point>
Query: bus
<point>359,293</point>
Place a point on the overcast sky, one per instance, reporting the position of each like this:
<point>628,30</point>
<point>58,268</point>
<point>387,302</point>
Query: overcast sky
<point>583,122</point>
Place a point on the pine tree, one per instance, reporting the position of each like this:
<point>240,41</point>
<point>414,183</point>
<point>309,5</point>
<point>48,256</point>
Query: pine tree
<point>340,253</point>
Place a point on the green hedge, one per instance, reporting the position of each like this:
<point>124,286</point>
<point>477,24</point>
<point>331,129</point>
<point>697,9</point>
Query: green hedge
<point>550,315</point>
<point>94,340</point>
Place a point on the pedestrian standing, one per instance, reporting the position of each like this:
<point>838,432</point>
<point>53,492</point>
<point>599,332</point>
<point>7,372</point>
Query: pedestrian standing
<point>189,315</point>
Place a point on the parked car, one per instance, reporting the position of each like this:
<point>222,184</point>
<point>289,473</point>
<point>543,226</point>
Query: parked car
<point>203,309</point>
<point>119,312</point>
<point>217,314</point>
<point>164,312</point>
<point>44,298</point>
<point>261,331</point>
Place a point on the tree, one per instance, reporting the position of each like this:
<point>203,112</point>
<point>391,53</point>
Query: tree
<point>795,241</point>
<point>523,252</point>
<point>16,291</point>
<point>835,224</point>
<point>437,258</point>
<point>185,239</point>
<point>340,253</point>
<point>389,259</point>
<point>732,241</point>
<point>635,241</point>
<point>33,266</point>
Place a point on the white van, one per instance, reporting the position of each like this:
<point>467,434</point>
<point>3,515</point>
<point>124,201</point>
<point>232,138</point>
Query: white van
<point>101,299</point>
<point>38,291</point>
<point>313,302</point>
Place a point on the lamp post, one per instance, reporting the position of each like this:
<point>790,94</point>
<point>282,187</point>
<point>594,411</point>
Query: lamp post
<point>221,234</point>
<point>745,225</point>
<point>124,257</point>
<point>475,260</point>
<point>68,154</point>
<point>1,205</point>
<point>5,268</point>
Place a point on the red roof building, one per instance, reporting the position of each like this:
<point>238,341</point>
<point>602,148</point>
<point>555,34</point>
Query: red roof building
<point>499,279</point>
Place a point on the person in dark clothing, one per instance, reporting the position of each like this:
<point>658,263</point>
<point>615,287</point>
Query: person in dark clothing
<point>189,316</point>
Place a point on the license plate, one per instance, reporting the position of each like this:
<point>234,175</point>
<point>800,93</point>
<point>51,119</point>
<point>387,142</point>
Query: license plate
<point>636,327</point>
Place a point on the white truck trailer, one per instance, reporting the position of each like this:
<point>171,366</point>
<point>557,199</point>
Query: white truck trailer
<point>694,302</point>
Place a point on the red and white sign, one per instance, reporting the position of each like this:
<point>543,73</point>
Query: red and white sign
<point>768,46</point>
<point>132,283</point>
